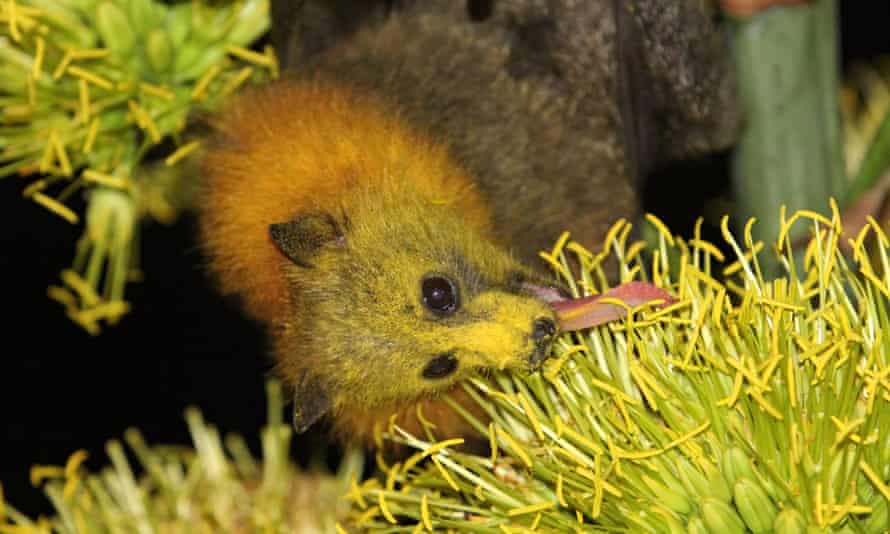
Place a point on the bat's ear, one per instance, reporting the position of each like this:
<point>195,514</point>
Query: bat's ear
<point>301,238</point>
<point>311,403</point>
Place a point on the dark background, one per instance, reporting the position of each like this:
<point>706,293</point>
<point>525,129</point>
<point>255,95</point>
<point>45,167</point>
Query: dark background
<point>61,390</point>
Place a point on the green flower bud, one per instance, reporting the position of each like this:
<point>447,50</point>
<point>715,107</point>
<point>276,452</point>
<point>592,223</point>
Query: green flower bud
<point>65,18</point>
<point>695,483</point>
<point>211,25</point>
<point>144,15</point>
<point>789,521</point>
<point>179,23</point>
<point>669,480</point>
<point>114,28</point>
<point>696,526</point>
<point>721,517</point>
<point>674,526</point>
<point>194,59</point>
<point>159,50</point>
<point>876,522</point>
<point>250,22</point>
<point>173,121</point>
<point>111,217</point>
<point>669,497</point>
<point>736,464</point>
<point>754,505</point>
<point>717,484</point>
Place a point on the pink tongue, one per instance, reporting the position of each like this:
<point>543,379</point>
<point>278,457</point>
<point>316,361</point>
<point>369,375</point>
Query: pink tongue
<point>575,314</point>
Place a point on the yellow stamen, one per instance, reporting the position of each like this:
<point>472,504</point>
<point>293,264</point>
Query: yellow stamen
<point>492,443</point>
<point>560,244</point>
<point>736,266</point>
<point>62,296</point>
<point>612,232</point>
<point>878,230</point>
<point>106,180</point>
<point>157,90</point>
<point>12,18</point>
<point>633,252</point>
<point>686,437</point>
<point>559,495</point>
<point>369,514</point>
<point>783,232</point>
<point>530,509</point>
<point>381,501</point>
<point>557,266</point>
<point>536,425</point>
<point>90,53</point>
<point>446,475</point>
<point>70,487</point>
<point>590,475</point>
<point>144,121</point>
<point>199,92</point>
<point>62,66</point>
<point>661,227</point>
<point>882,287</point>
<point>39,473</point>
<point>514,445</point>
<point>275,68</point>
<point>94,79</point>
<point>39,54</point>
<point>820,519</point>
<point>429,451</point>
<point>56,207</point>
<point>250,56</point>
<point>81,287</point>
<point>708,247</point>
<point>636,373</point>
<point>355,493</point>
<point>236,81</point>
<point>74,462</point>
<point>734,394</point>
<point>425,513</point>
<point>91,136</point>
<point>61,154</point>
<point>767,407</point>
<point>84,91</point>
<point>181,153</point>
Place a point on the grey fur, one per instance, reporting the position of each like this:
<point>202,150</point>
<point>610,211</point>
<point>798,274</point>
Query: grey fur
<point>558,107</point>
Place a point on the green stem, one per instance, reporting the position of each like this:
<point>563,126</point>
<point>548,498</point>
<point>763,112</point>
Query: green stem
<point>790,152</point>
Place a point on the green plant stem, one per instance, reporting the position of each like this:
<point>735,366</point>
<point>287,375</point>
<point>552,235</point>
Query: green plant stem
<point>790,152</point>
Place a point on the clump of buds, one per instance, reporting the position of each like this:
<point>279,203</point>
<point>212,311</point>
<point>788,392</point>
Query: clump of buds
<point>747,405</point>
<point>96,98</point>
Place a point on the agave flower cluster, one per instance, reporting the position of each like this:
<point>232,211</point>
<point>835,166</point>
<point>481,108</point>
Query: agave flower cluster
<point>865,106</point>
<point>91,92</point>
<point>218,486</point>
<point>750,405</point>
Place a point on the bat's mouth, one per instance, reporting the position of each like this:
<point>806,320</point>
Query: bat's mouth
<point>538,356</point>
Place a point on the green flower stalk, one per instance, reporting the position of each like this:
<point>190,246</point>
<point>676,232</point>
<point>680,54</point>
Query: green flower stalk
<point>217,487</point>
<point>866,106</point>
<point>96,99</point>
<point>747,406</point>
<point>790,150</point>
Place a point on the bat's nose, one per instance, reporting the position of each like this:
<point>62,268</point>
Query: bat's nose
<point>543,329</point>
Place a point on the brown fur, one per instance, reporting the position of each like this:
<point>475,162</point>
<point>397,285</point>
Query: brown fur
<point>430,143</point>
<point>289,148</point>
<point>341,292</point>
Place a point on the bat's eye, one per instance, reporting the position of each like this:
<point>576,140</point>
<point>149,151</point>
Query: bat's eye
<point>440,294</point>
<point>440,366</point>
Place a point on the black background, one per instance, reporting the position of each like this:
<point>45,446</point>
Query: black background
<point>61,390</point>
